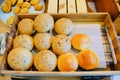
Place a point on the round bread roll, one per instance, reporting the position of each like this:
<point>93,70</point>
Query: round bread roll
<point>26,5</point>
<point>67,62</point>
<point>63,26</point>
<point>45,60</point>
<point>25,26</point>
<point>42,41</point>
<point>20,59</point>
<point>61,44</point>
<point>43,22</point>
<point>80,41</point>
<point>88,59</point>
<point>24,41</point>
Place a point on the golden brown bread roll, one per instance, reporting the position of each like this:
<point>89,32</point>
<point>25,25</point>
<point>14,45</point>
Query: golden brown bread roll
<point>20,2</point>
<point>88,59</point>
<point>42,41</point>
<point>61,44</point>
<point>24,41</point>
<point>13,2</point>
<point>10,20</point>
<point>6,7</point>
<point>20,59</point>
<point>25,26</point>
<point>38,7</point>
<point>43,22</point>
<point>67,62</point>
<point>24,11</point>
<point>45,60</point>
<point>80,41</point>
<point>26,5</point>
<point>34,2</point>
<point>16,9</point>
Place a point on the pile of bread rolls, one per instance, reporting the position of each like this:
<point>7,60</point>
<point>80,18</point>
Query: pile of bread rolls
<point>53,51</point>
<point>20,7</point>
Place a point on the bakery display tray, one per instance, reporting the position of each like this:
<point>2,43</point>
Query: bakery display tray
<point>109,41</point>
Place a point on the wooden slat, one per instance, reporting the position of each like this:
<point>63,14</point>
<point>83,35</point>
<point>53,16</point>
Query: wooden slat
<point>62,6</point>
<point>71,6</point>
<point>52,6</point>
<point>81,6</point>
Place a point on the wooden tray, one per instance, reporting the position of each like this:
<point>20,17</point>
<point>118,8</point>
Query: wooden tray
<point>109,38</point>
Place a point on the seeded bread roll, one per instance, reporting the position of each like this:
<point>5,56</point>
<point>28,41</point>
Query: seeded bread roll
<point>20,59</point>
<point>45,60</point>
<point>63,26</point>
<point>25,26</point>
<point>24,41</point>
<point>61,44</point>
<point>43,22</point>
<point>80,41</point>
<point>88,59</point>
<point>42,41</point>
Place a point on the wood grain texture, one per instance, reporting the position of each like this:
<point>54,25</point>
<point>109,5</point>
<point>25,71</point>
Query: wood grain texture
<point>107,6</point>
<point>52,6</point>
<point>71,6</point>
<point>81,6</point>
<point>62,6</point>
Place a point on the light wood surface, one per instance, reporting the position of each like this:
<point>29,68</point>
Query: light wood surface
<point>52,6</point>
<point>67,6</point>
<point>71,6</point>
<point>62,6</point>
<point>81,6</point>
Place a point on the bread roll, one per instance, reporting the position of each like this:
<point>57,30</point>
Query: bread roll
<point>26,5</point>
<point>24,41</point>
<point>43,22</point>
<point>61,44</point>
<point>42,41</point>
<point>38,7</point>
<point>88,59</point>
<point>63,26</point>
<point>34,2</point>
<point>45,60</point>
<point>10,20</point>
<point>67,62</point>
<point>80,41</point>
<point>20,59</point>
<point>16,10</point>
<point>25,26</point>
<point>7,6</point>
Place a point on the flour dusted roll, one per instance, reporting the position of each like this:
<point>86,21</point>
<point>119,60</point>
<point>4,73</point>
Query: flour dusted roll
<point>43,22</point>
<point>61,44</point>
<point>63,26</point>
<point>25,26</point>
<point>20,59</point>
<point>45,60</point>
<point>80,41</point>
<point>42,41</point>
<point>24,41</point>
